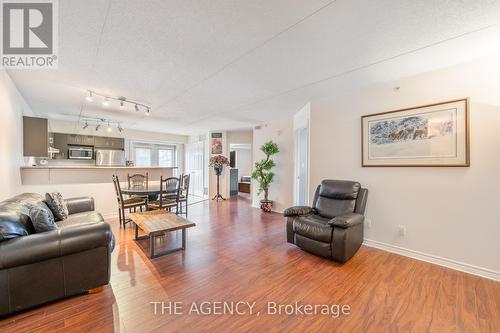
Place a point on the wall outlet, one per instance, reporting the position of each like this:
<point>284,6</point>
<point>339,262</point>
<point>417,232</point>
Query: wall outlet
<point>402,230</point>
<point>368,223</point>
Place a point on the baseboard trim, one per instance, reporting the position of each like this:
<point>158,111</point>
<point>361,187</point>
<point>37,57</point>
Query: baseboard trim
<point>459,266</point>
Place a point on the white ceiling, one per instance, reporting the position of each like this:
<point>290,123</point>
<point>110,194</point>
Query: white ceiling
<point>233,64</point>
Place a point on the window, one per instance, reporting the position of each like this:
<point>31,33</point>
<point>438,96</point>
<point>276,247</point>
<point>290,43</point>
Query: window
<point>166,157</point>
<point>142,157</point>
<point>152,154</point>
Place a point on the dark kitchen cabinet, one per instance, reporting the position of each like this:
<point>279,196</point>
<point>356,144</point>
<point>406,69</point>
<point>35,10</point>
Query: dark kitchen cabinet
<point>61,143</point>
<point>109,143</point>
<point>35,137</point>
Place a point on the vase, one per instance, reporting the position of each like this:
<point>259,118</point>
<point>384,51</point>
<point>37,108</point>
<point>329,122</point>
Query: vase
<point>266,205</point>
<point>218,169</point>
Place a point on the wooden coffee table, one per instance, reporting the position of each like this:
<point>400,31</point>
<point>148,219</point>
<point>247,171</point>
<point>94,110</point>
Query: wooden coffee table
<point>157,222</point>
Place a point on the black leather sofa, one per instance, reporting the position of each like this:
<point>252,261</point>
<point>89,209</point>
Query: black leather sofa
<point>333,226</point>
<point>43,267</point>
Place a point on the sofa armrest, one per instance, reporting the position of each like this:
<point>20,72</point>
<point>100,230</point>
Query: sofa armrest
<point>347,220</point>
<point>80,204</point>
<point>297,210</point>
<point>52,244</point>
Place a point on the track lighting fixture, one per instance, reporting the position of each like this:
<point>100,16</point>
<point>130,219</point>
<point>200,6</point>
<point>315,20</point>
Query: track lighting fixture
<point>90,96</point>
<point>85,125</point>
<point>97,123</point>
<point>97,127</point>
<point>106,102</point>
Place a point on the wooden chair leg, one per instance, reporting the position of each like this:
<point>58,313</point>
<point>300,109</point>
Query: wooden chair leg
<point>120,217</point>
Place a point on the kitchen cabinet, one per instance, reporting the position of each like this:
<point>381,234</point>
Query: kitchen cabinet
<point>35,137</point>
<point>109,143</point>
<point>61,143</point>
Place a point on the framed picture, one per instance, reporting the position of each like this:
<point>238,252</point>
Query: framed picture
<point>429,135</point>
<point>216,143</point>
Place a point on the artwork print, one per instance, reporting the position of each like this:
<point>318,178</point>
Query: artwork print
<point>216,144</point>
<point>433,135</point>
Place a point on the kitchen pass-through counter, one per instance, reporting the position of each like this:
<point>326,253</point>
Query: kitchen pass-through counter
<point>81,174</point>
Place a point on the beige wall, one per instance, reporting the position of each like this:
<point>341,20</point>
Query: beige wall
<point>12,108</point>
<point>281,190</point>
<point>449,213</point>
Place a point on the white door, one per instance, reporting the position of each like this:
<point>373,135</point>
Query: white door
<point>194,166</point>
<point>301,166</point>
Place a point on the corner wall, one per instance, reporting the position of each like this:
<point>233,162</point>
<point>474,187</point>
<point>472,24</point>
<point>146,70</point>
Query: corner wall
<point>450,214</point>
<point>12,108</point>
<point>281,190</point>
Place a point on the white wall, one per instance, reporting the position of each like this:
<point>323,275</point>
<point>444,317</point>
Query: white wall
<point>243,161</point>
<point>450,213</point>
<point>281,190</point>
<point>12,108</point>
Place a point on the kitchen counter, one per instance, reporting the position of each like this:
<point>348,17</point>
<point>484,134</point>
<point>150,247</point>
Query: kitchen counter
<point>90,167</point>
<point>82,174</point>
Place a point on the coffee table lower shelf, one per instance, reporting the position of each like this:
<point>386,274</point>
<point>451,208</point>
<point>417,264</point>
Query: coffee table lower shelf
<point>159,222</point>
<point>152,248</point>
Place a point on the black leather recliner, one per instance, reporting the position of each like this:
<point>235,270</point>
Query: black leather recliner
<point>333,226</point>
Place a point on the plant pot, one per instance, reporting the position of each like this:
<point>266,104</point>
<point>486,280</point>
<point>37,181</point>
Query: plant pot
<point>266,205</point>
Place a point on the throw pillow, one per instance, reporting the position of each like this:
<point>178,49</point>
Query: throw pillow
<point>42,219</point>
<point>10,229</point>
<point>57,205</point>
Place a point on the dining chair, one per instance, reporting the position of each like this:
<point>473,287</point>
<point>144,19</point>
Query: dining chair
<point>169,195</point>
<point>184,194</point>
<point>138,181</point>
<point>129,203</point>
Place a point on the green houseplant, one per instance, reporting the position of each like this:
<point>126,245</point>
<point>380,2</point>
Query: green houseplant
<point>263,174</point>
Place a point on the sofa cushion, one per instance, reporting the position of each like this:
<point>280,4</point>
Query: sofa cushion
<point>313,227</point>
<point>81,218</point>
<point>41,218</point>
<point>57,205</point>
<point>9,229</point>
<point>16,209</point>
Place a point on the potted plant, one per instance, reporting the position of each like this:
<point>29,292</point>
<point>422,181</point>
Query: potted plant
<point>218,163</point>
<point>264,175</point>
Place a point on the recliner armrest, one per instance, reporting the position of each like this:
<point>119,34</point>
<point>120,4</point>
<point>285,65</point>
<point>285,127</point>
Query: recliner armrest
<point>347,220</point>
<point>297,210</point>
<point>80,205</point>
<point>56,243</point>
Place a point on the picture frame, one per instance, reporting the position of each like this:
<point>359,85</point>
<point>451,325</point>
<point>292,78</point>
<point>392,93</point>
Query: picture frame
<point>216,144</point>
<point>432,135</point>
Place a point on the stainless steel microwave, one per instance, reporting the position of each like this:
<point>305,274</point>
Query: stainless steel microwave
<point>80,153</point>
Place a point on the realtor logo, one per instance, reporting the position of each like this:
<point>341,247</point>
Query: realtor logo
<point>29,34</point>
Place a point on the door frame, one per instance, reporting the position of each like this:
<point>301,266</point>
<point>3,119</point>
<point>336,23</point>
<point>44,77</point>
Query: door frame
<point>296,187</point>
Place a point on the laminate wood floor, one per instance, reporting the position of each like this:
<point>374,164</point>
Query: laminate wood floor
<point>236,253</point>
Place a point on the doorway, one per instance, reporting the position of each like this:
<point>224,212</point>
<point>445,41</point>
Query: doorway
<point>195,154</point>
<point>301,161</point>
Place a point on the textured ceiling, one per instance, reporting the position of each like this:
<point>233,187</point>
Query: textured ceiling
<point>234,64</point>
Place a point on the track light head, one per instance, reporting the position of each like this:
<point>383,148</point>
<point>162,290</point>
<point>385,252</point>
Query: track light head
<point>97,127</point>
<point>120,129</point>
<point>85,125</point>
<point>147,111</point>
<point>90,97</point>
<point>105,103</point>
<point>136,107</point>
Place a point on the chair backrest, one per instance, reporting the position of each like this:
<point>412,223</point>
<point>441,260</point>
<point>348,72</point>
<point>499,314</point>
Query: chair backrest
<point>338,197</point>
<point>169,189</point>
<point>185,184</point>
<point>138,180</point>
<point>118,190</point>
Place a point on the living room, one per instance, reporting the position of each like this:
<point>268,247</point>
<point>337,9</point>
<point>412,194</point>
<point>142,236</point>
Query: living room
<point>250,166</point>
